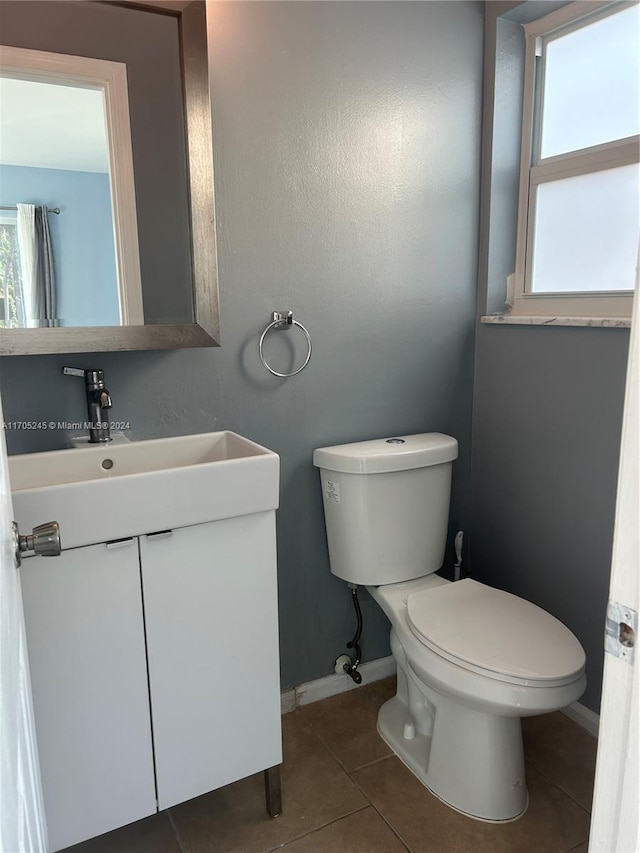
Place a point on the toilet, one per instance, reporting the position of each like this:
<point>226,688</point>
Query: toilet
<point>472,660</point>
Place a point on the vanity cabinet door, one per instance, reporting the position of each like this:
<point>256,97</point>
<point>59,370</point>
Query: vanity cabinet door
<point>85,640</point>
<point>210,597</point>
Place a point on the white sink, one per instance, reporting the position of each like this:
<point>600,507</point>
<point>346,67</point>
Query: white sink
<point>103,493</point>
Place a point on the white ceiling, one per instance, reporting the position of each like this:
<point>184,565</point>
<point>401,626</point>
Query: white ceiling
<point>51,126</point>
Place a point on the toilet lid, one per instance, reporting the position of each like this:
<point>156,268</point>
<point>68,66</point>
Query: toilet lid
<point>493,630</point>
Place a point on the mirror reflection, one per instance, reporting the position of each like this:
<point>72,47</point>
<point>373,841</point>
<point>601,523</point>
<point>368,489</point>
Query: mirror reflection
<point>59,259</point>
<point>56,231</point>
<point>153,62</point>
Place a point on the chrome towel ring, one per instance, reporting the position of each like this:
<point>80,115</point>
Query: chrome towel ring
<point>283,322</point>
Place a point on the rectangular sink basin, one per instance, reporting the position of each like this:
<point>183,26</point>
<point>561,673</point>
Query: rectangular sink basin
<point>115,491</point>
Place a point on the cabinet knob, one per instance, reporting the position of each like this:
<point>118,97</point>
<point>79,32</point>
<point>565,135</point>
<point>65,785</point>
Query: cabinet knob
<point>44,541</point>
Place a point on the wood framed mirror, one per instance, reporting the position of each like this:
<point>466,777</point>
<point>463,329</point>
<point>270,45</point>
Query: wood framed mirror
<point>191,22</point>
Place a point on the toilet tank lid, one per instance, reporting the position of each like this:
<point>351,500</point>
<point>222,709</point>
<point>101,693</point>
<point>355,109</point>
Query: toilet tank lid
<point>398,453</point>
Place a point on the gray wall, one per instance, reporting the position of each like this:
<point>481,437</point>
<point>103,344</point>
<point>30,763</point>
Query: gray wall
<point>547,418</point>
<point>347,139</point>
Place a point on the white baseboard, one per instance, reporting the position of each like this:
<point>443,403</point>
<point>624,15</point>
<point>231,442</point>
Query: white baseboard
<point>584,717</point>
<point>288,701</point>
<point>332,685</point>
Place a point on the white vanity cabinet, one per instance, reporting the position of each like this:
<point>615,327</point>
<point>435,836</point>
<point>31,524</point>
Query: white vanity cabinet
<point>154,661</point>
<point>154,655</point>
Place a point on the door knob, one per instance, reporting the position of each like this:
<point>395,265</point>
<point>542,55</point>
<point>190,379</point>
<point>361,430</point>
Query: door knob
<point>44,541</point>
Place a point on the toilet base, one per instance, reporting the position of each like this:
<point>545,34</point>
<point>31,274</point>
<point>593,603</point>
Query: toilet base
<point>472,761</point>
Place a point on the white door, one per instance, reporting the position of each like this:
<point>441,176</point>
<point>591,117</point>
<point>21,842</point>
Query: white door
<point>85,629</point>
<point>22,824</point>
<point>614,823</point>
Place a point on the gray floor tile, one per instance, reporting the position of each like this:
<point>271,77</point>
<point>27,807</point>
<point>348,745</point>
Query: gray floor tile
<point>315,791</point>
<point>563,751</point>
<point>362,832</point>
<point>347,723</point>
<point>553,823</point>
<point>151,835</point>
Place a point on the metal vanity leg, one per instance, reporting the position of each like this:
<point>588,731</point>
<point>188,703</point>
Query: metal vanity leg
<point>273,790</point>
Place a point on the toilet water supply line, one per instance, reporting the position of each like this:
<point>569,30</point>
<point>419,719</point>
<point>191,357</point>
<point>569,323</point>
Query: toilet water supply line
<point>345,664</point>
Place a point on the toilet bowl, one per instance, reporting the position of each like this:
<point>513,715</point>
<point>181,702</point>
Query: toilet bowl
<point>456,722</point>
<point>472,660</point>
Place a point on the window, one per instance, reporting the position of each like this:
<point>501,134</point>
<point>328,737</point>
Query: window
<point>579,205</point>
<point>11,308</point>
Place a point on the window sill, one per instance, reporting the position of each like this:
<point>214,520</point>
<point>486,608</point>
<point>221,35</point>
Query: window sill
<point>523,320</point>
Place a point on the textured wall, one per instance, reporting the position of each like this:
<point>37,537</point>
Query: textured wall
<point>82,237</point>
<point>347,142</point>
<point>546,439</point>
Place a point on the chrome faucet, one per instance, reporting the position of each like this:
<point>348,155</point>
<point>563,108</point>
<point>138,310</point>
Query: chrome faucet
<point>98,398</point>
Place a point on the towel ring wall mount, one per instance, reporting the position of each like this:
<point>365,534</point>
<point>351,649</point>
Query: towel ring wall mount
<point>283,321</point>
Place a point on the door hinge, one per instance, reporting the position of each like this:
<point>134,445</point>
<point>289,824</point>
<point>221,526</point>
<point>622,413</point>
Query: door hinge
<point>620,631</point>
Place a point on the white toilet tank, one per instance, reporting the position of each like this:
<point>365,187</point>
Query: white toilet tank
<point>386,506</point>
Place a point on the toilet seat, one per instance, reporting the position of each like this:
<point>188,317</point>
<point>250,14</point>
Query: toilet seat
<point>495,634</point>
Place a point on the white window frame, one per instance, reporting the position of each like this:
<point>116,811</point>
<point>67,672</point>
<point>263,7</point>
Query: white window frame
<point>534,171</point>
<point>7,217</point>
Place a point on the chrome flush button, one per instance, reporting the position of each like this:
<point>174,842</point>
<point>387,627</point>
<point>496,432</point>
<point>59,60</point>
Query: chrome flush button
<point>395,441</point>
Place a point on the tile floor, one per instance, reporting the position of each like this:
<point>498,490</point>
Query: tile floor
<point>344,792</point>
